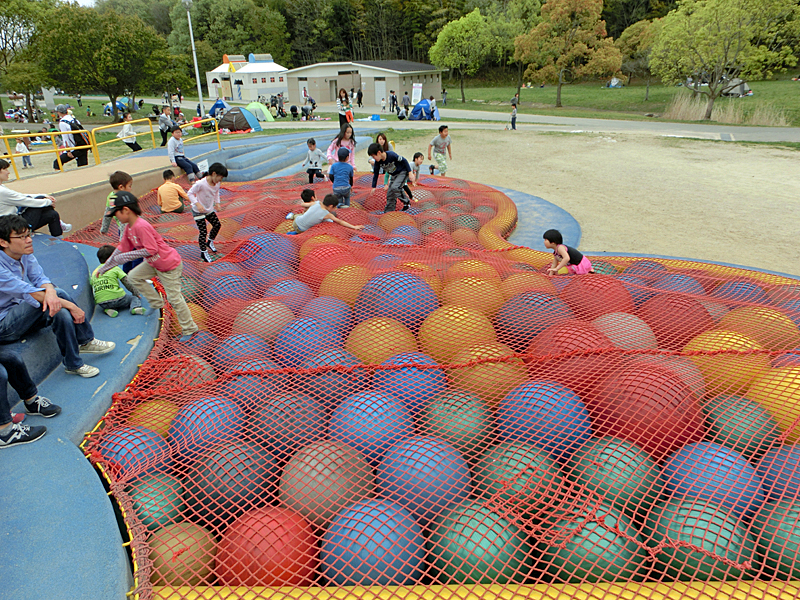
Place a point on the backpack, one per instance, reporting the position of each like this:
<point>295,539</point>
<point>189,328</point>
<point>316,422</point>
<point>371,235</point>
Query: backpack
<point>80,139</point>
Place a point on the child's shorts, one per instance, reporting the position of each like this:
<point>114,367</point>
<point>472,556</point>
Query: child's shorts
<point>581,268</point>
<point>441,162</point>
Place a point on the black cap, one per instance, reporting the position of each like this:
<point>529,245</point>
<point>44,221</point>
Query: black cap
<point>121,200</point>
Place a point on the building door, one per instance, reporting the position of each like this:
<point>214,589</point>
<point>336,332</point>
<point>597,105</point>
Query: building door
<point>334,91</point>
<point>380,90</point>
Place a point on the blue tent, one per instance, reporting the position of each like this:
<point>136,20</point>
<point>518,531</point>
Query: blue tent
<point>421,110</point>
<point>220,103</point>
<point>107,110</point>
<point>239,119</point>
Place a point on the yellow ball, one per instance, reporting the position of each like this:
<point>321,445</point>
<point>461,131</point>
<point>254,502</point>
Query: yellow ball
<point>769,327</point>
<point>425,272</point>
<point>183,232</point>
<point>490,380</point>
<point>155,415</point>
<point>199,315</point>
<point>315,241</point>
<point>519,283</point>
<point>182,554</point>
<point>345,283</point>
<point>778,390</point>
<point>450,329</point>
<point>228,229</point>
<point>284,226</point>
<point>727,373</point>
<point>471,268</point>
<point>483,295</point>
<point>392,220</point>
<point>263,318</point>
<point>376,340</point>
<point>535,258</point>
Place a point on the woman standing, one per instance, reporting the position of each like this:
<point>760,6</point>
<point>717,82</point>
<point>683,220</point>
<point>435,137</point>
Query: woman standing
<point>345,139</point>
<point>127,134</point>
<point>343,105</point>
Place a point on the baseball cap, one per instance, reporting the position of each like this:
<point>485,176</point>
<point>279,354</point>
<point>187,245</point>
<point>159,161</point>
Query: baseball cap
<point>62,109</point>
<point>121,200</point>
<point>343,153</point>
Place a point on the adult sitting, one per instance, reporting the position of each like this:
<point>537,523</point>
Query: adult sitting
<point>29,301</point>
<point>36,209</point>
<point>71,130</point>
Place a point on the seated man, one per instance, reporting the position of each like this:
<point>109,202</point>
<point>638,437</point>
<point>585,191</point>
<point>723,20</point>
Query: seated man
<point>29,302</point>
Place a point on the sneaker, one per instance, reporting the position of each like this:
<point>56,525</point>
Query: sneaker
<point>211,246</point>
<point>139,310</point>
<point>290,216</point>
<point>42,406</point>
<point>206,256</point>
<point>186,337</point>
<point>96,346</point>
<point>111,312</point>
<point>66,227</point>
<point>21,434</point>
<point>405,205</point>
<point>84,371</point>
<point>431,168</point>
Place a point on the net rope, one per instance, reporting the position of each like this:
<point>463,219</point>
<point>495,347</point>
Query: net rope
<point>418,404</point>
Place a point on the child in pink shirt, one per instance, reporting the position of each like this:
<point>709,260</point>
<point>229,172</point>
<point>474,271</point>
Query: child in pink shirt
<point>204,198</point>
<point>140,240</point>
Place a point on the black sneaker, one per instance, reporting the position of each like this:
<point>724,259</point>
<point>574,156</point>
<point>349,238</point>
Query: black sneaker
<point>406,204</point>
<point>21,434</point>
<point>43,407</point>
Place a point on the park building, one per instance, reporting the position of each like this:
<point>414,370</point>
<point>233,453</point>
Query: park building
<point>374,77</point>
<point>245,79</point>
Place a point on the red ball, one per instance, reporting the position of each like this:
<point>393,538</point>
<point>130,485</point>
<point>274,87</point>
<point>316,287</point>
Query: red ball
<point>268,546</point>
<point>322,260</point>
<point>440,239</point>
<point>223,314</point>
<point>592,295</point>
<point>376,201</point>
<point>648,406</point>
<point>266,218</point>
<point>675,319</point>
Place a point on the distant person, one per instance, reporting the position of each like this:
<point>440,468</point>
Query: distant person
<point>314,160</point>
<point>406,103</point>
<point>433,105</point>
<point>36,209</point>
<point>179,93</point>
<point>78,98</point>
<point>345,139</point>
<point>398,169</point>
<point>383,104</point>
<point>109,294</point>
<point>444,97</point>
<point>513,117</point>
<point>515,99</point>
<point>23,150</point>
<point>415,166</point>
<point>177,157</point>
<point>127,134</point>
<point>565,256</point>
<point>359,97</point>
<point>204,198</point>
<point>343,106</point>
<point>305,95</point>
<point>341,175</point>
<point>317,213</point>
<point>73,135</point>
<point>441,144</point>
<point>170,195</point>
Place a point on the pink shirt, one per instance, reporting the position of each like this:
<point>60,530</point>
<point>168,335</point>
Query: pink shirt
<point>141,235</point>
<point>333,150</point>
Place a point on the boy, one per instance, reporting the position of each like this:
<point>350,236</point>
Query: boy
<point>414,176</point>
<point>204,196</point>
<point>439,144</point>
<point>22,149</point>
<point>341,175</point>
<point>119,181</point>
<point>513,117</point>
<point>178,158</point>
<point>315,157</point>
<point>317,213</point>
<point>140,240</point>
<point>108,294</point>
<point>383,104</point>
<point>170,194</point>
<point>398,170</point>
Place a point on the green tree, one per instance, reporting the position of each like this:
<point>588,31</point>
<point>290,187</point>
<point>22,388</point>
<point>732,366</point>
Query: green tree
<point>570,42</point>
<point>719,40</point>
<point>463,46</point>
<point>621,14</point>
<point>153,12</point>
<point>27,78</point>
<point>516,18</point>
<point>635,44</point>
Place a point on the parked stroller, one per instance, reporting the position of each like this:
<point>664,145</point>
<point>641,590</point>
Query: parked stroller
<point>294,111</point>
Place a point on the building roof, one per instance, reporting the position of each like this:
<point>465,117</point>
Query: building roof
<point>393,66</point>
<point>262,67</point>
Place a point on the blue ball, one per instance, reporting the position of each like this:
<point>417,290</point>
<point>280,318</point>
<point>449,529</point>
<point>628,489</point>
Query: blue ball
<point>383,262</point>
<point>204,423</point>
<point>401,296</point>
<point>675,282</point>
<point>708,471</point>
<point>741,291</point>
<point>373,231</point>
<point>789,359</point>
<point>293,293</point>
<point>261,249</point>
<point>547,415</point>
<point>425,476</point>
<point>250,231</point>
<point>213,271</point>
<point>271,273</point>
<point>526,315</point>
<point>303,338</point>
<point>415,386</point>
<point>238,347</point>
<point>371,423</point>
<point>374,542</point>
<point>646,268</point>
<point>189,252</point>
<point>408,231</point>
<point>134,451</point>
<point>397,240</point>
<point>333,386</point>
<point>201,343</point>
<point>792,310</point>
<point>780,470</point>
<point>228,286</point>
<point>283,424</point>
<point>637,287</point>
<point>331,311</point>
<point>249,391</point>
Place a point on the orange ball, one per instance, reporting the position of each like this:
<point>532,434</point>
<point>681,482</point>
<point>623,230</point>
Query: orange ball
<point>450,329</point>
<point>727,373</point>
<point>471,268</point>
<point>183,232</point>
<point>490,380</point>
<point>155,415</point>
<point>483,295</point>
<point>769,327</point>
<point>376,340</point>
<point>526,256</point>
<point>315,241</point>
<point>199,315</point>
<point>345,283</point>
<point>284,226</point>
<point>228,229</point>
<point>519,283</point>
<point>392,220</point>
<point>778,390</point>
<point>464,237</point>
<point>182,554</point>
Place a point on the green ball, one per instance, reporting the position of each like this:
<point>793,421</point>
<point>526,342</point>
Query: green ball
<point>157,500</point>
<point>604,267</point>
<point>619,471</point>
<point>466,222</point>
<point>740,424</point>
<point>191,289</point>
<point>459,418</point>
<point>593,551</point>
<point>703,524</point>
<point>520,478</point>
<point>472,544</point>
<point>777,529</point>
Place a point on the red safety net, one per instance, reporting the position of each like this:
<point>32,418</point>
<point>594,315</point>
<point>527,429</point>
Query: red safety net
<point>418,404</point>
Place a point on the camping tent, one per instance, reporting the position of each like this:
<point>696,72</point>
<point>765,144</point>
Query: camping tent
<point>421,110</point>
<point>220,103</point>
<point>737,88</point>
<point>239,119</point>
<point>120,107</point>
<point>260,111</point>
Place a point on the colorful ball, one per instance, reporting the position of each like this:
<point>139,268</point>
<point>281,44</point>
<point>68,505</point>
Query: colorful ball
<point>291,292</point>
<point>199,316</point>
<point>675,319</point>
<point>626,331</point>
<point>184,370</point>
<point>228,286</point>
<point>780,470</point>
<point>741,425</point>
<point>414,384</point>
<point>646,268</point>
<point>727,373</point>
<point>271,273</point>
<point>317,240</point>
<point>741,291</point>
<point>302,339</point>
<point>638,289</point>
<point>222,315</point>
<point>182,554</point>
<point>392,220</point>
<point>376,340</point>
<point>449,329</point>
<point>472,268</point>
<point>329,311</point>
<point>134,451</point>
<point>155,415</point>
<point>483,295</point>
<point>344,283</point>
<point>488,379</point>
<point>215,270</point>
<point>526,315</point>
<point>519,283</point>
<point>263,318</point>
<point>191,289</point>
<point>778,390</point>
<point>409,231</point>
<point>592,295</point>
<point>402,296</point>
<point>287,422</point>
<point>249,391</point>
<point>767,326</point>
<point>332,386</point>
<point>321,261</point>
<point>239,347</point>
<point>261,249</point>
<point>201,342</point>
<point>683,284</point>
<point>777,530</point>
<point>204,423</point>
<point>459,418</point>
<point>157,500</point>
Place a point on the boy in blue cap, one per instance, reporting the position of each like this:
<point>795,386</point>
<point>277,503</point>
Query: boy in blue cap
<point>341,175</point>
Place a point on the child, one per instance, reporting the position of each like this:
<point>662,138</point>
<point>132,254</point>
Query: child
<point>397,168</point>
<point>140,240</point>
<point>119,181</point>
<point>439,144</point>
<point>383,104</point>
<point>178,158</point>
<point>204,196</point>
<point>108,294</point>
<point>317,213</point>
<point>564,256</point>
<point>513,117</point>
<point>314,158</point>
<point>341,175</point>
<point>21,148</point>
<point>128,135</point>
<point>433,105</point>
<point>170,194</point>
<point>414,177</point>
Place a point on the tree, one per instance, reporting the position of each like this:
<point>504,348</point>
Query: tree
<point>718,40</point>
<point>621,14</point>
<point>153,12</point>
<point>27,78</point>
<point>463,46</point>
<point>570,40</point>
<point>635,44</point>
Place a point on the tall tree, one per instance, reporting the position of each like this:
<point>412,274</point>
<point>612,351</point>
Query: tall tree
<point>719,40</point>
<point>569,42</point>
<point>153,12</point>
<point>515,18</point>
<point>635,44</point>
<point>463,46</point>
<point>621,14</point>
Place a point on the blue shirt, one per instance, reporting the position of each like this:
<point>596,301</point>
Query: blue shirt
<point>393,164</point>
<point>18,280</point>
<point>342,174</point>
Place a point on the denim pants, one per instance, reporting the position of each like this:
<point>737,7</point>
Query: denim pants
<point>187,165</point>
<point>121,303</point>
<point>24,318</point>
<point>13,371</point>
<point>343,195</point>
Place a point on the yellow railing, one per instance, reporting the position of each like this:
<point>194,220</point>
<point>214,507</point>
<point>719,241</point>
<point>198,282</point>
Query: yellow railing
<point>202,135</point>
<point>55,149</point>
<point>96,144</point>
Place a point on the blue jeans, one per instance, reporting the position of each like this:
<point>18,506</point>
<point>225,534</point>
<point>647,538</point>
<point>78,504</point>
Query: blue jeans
<point>187,165</point>
<point>343,195</point>
<point>24,318</point>
<point>121,303</point>
<point>13,371</point>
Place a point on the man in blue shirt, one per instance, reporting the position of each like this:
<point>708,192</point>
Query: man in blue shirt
<point>398,169</point>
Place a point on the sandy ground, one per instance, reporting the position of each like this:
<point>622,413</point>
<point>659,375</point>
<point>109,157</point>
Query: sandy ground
<point>644,194</point>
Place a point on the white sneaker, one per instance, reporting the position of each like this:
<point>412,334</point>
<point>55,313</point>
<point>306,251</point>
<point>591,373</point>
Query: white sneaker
<point>210,245</point>
<point>66,227</point>
<point>97,347</point>
<point>206,256</point>
<point>84,371</point>
<point>290,216</point>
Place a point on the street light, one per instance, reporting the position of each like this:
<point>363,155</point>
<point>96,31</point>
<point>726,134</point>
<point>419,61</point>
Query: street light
<point>188,6</point>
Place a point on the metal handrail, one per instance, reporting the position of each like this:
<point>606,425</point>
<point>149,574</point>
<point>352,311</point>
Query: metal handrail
<point>53,135</point>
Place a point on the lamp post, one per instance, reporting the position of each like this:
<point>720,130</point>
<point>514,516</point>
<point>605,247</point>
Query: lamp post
<point>188,6</point>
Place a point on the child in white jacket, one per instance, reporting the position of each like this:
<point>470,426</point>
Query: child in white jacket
<point>204,198</point>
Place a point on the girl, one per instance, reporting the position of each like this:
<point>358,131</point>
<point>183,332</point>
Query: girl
<point>564,256</point>
<point>345,139</point>
<point>343,105</point>
<point>127,134</point>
